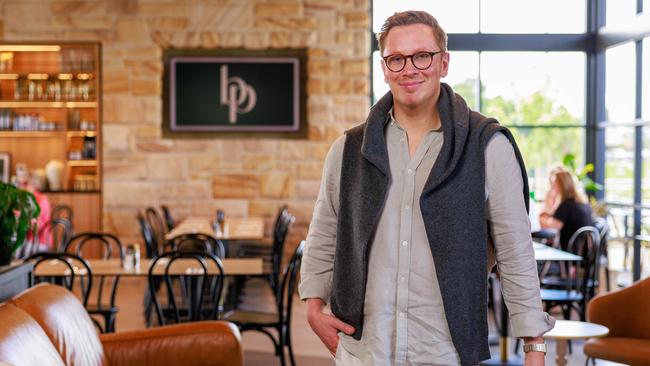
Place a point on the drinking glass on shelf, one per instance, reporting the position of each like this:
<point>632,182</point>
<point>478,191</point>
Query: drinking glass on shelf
<point>19,89</point>
<point>53,89</point>
<point>31,89</point>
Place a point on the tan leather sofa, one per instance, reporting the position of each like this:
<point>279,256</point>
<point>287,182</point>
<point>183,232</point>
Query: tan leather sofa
<point>46,325</point>
<point>625,313</point>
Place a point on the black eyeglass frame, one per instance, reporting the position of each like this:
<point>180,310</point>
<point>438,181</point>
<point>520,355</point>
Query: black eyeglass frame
<point>406,57</point>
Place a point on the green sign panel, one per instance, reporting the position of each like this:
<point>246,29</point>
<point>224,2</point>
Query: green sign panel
<point>234,93</point>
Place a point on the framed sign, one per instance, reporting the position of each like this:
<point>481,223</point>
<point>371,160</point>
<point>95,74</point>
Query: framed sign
<point>233,91</point>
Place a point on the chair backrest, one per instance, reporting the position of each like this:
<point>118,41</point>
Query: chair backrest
<point>169,221</point>
<point>196,242</point>
<point>61,233</point>
<point>109,244</point>
<point>279,238</point>
<point>156,224</point>
<point>151,247</point>
<point>202,272</point>
<point>52,236</point>
<point>600,223</point>
<point>585,242</point>
<point>62,212</point>
<point>289,285</point>
<point>624,311</point>
<point>75,266</point>
<point>278,219</point>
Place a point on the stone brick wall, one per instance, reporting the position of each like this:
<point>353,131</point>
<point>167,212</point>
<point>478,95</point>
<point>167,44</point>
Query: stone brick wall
<point>194,177</point>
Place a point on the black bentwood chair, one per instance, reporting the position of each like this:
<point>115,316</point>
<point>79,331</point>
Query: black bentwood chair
<point>196,242</point>
<point>157,226</point>
<point>197,296</point>
<point>62,212</point>
<point>75,266</point>
<point>151,247</point>
<point>578,285</point>
<point>110,247</point>
<point>169,221</point>
<point>271,254</point>
<point>281,320</point>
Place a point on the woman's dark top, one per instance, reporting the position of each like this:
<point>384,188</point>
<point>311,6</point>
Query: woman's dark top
<point>574,215</point>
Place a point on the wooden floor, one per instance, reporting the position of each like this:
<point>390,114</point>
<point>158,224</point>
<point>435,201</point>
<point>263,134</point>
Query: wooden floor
<point>307,347</point>
<point>258,348</point>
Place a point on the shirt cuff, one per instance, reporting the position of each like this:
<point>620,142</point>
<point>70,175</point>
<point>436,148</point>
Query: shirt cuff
<point>531,324</point>
<point>315,287</point>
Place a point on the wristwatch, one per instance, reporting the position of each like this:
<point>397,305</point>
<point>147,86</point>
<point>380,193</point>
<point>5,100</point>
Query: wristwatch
<point>535,347</point>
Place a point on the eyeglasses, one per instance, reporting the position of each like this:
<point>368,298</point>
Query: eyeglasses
<point>421,60</point>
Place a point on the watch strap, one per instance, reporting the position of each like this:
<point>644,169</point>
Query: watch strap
<point>535,347</point>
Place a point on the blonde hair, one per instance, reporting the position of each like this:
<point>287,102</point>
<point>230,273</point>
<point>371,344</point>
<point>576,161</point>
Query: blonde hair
<point>411,17</point>
<point>567,184</point>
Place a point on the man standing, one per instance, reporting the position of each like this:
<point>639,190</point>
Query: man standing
<point>414,205</point>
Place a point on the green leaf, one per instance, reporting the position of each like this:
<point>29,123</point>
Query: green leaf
<point>569,160</point>
<point>18,211</point>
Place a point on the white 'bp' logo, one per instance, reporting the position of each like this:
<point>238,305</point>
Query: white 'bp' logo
<point>234,93</point>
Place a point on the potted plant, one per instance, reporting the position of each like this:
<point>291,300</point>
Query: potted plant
<point>18,211</point>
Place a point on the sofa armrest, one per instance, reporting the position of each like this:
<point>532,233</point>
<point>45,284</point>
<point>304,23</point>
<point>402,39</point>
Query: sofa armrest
<point>215,343</point>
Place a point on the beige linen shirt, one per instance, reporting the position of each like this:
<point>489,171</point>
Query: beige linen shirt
<point>404,318</point>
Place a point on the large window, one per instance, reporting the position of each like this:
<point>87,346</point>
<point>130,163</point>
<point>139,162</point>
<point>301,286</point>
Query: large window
<point>448,13</point>
<point>620,81</point>
<point>619,13</point>
<point>626,119</point>
<point>533,16</point>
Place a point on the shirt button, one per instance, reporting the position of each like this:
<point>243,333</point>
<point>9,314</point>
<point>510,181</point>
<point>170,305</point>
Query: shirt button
<point>405,243</point>
<point>402,279</point>
<point>401,139</point>
<point>406,207</point>
<point>410,171</point>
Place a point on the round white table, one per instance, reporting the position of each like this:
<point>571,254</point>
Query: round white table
<point>565,330</point>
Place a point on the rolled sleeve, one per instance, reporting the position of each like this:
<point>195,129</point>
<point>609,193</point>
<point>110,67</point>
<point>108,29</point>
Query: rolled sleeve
<point>318,258</point>
<point>510,228</point>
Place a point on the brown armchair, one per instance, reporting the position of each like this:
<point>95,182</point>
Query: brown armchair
<point>47,325</point>
<point>625,313</point>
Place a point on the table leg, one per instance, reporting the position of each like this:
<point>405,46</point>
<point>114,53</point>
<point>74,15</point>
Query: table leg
<point>560,358</point>
<point>195,307</point>
<point>504,358</point>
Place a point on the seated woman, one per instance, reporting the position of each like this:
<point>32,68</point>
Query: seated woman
<point>565,209</point>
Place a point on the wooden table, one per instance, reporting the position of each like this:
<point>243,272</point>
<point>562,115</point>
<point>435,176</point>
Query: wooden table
<point>248,228</point>
<point>112,267</point>
<point>565,330</point>
<point>545,253</point>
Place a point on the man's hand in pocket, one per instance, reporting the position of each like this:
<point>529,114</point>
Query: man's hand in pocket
<point>326,326</point>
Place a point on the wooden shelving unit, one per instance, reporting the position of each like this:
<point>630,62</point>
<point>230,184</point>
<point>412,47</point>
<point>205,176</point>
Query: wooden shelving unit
<point>50,109</point>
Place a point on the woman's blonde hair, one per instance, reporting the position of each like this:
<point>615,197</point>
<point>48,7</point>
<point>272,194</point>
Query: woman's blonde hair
<point>568,186</point>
